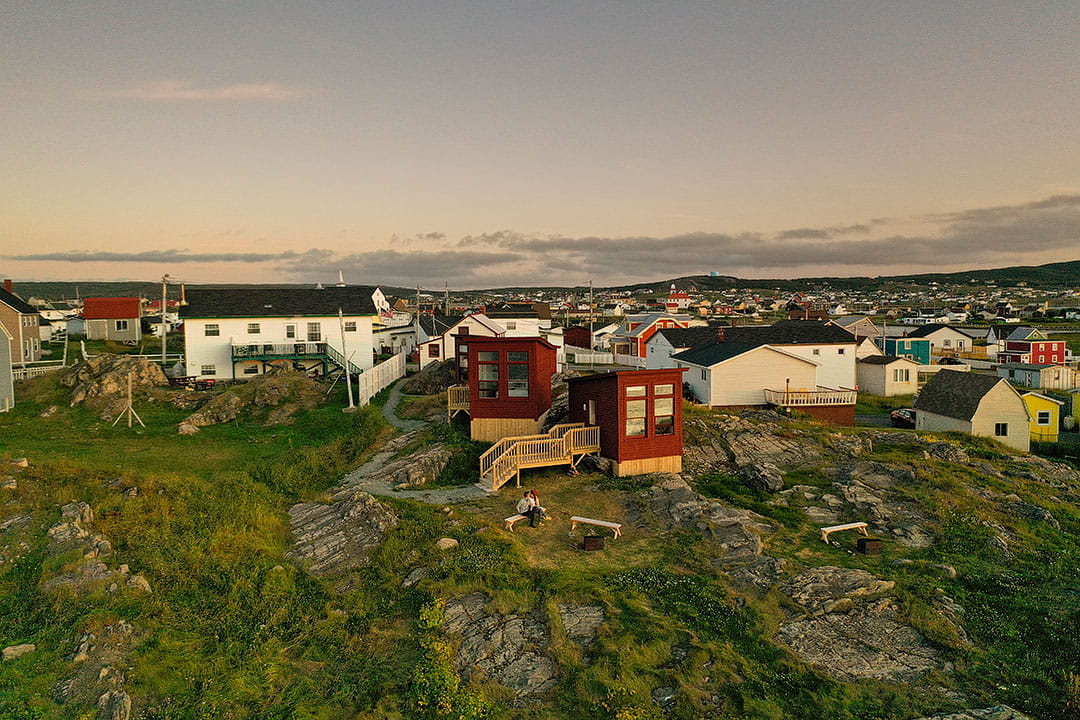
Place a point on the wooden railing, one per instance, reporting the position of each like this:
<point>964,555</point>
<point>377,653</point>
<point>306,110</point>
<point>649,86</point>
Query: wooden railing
<point>457,399</point>
<point>562,444</point>
<point>30,370</point>
<point>287,349</point>
<point>802,398</point>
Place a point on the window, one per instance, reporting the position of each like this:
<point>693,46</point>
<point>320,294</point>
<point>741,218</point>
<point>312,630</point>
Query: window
<point>121,325</point>
<point>208,370</point>
<point>1001,429</point>
<point>517,356</point>
<point>817,351</point>
<point>518,376</point>
<point>841,351</point>
<point>664,415</point>
<point>350,326</point>
<point>290,332</point>
<point>635,418</point>
<point>704,374</point>
<point>901,375</point>
<point>1043,417</point>
<point>433,351</point>
<point>946,343</point>
<point>251,369</point>
<point>487,356</point>
<point>254,329</point>
<point>511,326</point>
<point>488,380</point>
<point>314,332</point>
<point>212,330</point>
<point>635,391</point>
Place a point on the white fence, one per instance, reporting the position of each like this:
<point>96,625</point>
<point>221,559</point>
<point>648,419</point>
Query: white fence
<point>630,360</point>
<point>584,356</point>
<point>370,382</point>
<point>31,371</point>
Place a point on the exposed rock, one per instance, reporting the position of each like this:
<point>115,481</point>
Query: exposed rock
<point>1034,512</point>
<point>728,441</point>
<point>825,588</point>
<point>287,391</point>
<point>866,641</point>
<point>664,697</point>
<point>952,613</point>
<point>446,543</point>
<point>49,411</point>
<point>98,657</point>
<point>115,705</point>
<point>415,575</point>
<point>139,583</point>
<point>433,378</point>
<point>506,648</point>
<point>761,573</point>
<point>580,622</point>
<point>420,467</point>
<point>186,428</point>
<point>947,452</point>
<point>763,478</point>
<point>8,482</point>
<point>20,462</point>
<point>850,445</point>
<point>15,521</point>
<point>101,382</point>
<point>677,507</point>
<point>331,539</point>
<point>999,712</point>
<point>16,651</point>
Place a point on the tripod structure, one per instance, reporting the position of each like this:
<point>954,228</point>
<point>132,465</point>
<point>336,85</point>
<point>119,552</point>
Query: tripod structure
<point>129,411</point>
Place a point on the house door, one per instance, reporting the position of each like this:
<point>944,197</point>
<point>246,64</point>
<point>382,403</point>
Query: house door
<point>592,412</point>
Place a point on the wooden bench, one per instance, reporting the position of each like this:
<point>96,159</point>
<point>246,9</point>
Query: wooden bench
<point>513,519</point>
<point>577,519</point>
<point>825,531</point>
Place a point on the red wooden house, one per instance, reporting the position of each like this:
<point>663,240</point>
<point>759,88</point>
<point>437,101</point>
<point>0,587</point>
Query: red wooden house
<point>1030,345</point>
<point>509,382</point>
<point>639,413</point>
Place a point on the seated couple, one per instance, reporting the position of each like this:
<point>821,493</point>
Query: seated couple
<point>529,506</point>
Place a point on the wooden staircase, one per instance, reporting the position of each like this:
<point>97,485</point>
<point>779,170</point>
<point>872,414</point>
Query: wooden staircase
<point>564,444</point>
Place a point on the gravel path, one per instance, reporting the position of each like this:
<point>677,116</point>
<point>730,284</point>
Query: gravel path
<point>367,476</point>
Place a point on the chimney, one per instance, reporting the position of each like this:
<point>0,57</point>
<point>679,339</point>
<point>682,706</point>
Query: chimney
<point>7,285</point>
<point>183,295</point>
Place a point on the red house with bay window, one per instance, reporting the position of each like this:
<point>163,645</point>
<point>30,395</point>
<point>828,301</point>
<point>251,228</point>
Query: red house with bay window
<point>639,413</point>
<point>509,381</point>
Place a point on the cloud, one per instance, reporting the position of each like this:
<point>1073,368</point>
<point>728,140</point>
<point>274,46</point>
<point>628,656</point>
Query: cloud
<point>1046,229</point>
<point>183,90</point>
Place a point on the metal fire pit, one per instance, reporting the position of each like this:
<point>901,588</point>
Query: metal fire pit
<point>592,542</point>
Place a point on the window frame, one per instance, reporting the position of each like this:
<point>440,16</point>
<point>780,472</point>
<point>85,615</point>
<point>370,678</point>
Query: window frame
<point>208,370</point>
<point>1001,429</point>
<point>254,328</point>
<point>212,330</point>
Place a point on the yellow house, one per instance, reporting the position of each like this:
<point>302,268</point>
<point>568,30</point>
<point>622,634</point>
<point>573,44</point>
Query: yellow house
<point>1045,416</point>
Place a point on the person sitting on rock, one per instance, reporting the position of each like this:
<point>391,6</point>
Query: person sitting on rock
<point>527,506</point>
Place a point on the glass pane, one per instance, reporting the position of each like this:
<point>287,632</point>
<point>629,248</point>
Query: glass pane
<point>664,389</point>
<point>635,409</point>
<point>664,406</point>
<point>518,356</point>
<point>488,389</point>
<point>635,427</point>
<point>489,372</point>
<point>519,388</point>
<point>519,372</point>
<point>487,356</point>
<point>665,425</point>
<point>635,391</point>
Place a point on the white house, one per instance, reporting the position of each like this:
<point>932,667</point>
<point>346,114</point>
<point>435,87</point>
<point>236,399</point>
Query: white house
<point>1040,376</point>
<point>887,375</point>
<point>944,339</point>
<point>670,341</point>
<point>239,333</point>
<point>732,374</point>
<point>437,334</point>
<point>830,347</point>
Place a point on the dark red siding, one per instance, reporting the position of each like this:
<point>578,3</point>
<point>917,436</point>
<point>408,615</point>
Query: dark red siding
<point>542,365</point>
<point>609,392</point>
<point>577,336</point>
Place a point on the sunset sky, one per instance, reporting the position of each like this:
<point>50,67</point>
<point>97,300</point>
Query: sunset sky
<point>487,144</point>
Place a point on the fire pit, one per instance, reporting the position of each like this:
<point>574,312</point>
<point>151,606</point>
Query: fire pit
<point>592,542</point>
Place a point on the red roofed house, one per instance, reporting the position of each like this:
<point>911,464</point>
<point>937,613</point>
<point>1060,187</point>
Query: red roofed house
<point>639,413</point>
<point>116,319</point>
<point>677,300</point>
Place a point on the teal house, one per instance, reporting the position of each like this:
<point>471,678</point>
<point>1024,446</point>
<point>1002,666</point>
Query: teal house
<point>917,349</point>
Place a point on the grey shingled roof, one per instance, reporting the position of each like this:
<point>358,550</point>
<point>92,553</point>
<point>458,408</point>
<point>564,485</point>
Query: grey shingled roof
<point>16,303</point>
<point>691,336</point>
<point>881,360</point>
<point>924,330</point>
<point>791,332</point>
<point>955,394</point>
<point>709,355</point>
<point>278,302</point>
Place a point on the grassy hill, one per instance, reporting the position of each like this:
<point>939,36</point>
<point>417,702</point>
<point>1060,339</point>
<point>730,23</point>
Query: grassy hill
<point>698,603</point>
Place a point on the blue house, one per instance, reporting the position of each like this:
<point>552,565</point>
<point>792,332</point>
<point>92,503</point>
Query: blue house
<point>917,349</point>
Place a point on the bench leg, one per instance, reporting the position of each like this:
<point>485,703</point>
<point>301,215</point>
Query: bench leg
<point>573,527</point>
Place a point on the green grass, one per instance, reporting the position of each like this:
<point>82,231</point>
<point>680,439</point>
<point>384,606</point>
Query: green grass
<point>867,404</point>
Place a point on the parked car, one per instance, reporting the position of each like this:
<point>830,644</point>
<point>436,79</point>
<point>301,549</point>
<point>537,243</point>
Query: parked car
<point>902,418</point>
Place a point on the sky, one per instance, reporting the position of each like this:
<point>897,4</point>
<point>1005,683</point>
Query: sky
<point>487,144</point>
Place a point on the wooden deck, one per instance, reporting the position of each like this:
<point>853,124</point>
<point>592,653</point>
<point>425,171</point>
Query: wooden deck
<point>457,399</point>
<point>564,444</point>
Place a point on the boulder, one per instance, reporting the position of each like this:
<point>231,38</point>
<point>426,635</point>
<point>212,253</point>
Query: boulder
<point>433,378</point>
<point>330,539</point>
<point>285,391</point>
<point>446,543</point>
<point>823,588</point>
<point>101,382</point>
<point>763,478</point>
<point>420,467</point>
<point>115,705</point>
<point>580,622</point>
<point>16,651</point>
<point>946,452</point>
<point>999,712</point>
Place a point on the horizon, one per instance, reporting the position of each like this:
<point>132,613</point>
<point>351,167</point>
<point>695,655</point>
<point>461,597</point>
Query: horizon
<point>486,145</point>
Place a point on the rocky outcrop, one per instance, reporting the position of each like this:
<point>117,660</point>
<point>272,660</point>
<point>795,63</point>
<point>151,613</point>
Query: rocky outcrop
<point>508,649</point>
<point>11,652</point>
<point>75,532</point>
<point>675,505</point>
<point>848,634</point>
<point>1000,712</point>
<point>101,382</point>
<point>581,622</point>
<point>285,392</point>
<point>727,442</point>
<point>763,478</point>
<point>421,467</point>
<point>434,378</point>
<point>99,660</point>
<point>330,539</point>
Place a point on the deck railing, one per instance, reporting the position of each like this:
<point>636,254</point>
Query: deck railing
<point>457,399</point>
<point>291,349</point>
<point>509,456</point>
<point>803,398</point>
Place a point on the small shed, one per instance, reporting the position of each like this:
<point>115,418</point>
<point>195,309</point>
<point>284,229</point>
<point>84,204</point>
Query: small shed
<point>509,381</point>
<point>1045,416</point>
<point>639,413</point>
<point>116,319</point>
<point>887,376</point>
<point>578,336</point>
<point>981,405</point>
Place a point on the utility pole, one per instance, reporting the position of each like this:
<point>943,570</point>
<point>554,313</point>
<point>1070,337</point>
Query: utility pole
<point>592,358</point>
<point>345,357</point>
<point>446,298</point>
<point>164,327</point>
<point>416,330</point>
